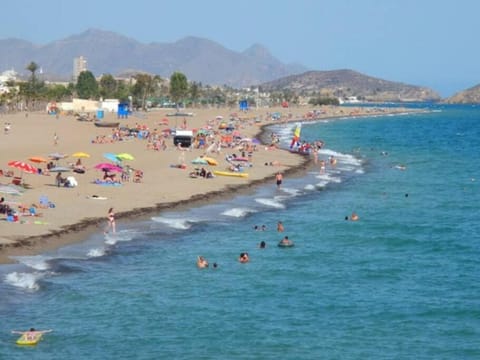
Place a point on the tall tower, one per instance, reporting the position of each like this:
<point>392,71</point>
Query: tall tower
<point>79,65</point>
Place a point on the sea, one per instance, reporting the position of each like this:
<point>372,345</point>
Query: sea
<point>402,282</point>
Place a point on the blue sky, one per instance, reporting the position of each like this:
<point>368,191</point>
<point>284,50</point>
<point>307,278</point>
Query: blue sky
<point>432,43</point>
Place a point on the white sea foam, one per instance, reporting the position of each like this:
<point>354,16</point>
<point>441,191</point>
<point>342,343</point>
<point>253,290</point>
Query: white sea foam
<point>180,224</point>
<point>97,252</point>
<point>291,191</point>
<point>110,239</point>
<point>321,184</point>
<point>124,235</point>
<point>346,168</point>
<point>24,280</point>
<point>309,187</point>
<point>328,152</point>
<point>237,212</point>
<point>270,203</point>
<point>37,262</point>
<point>328,178</point>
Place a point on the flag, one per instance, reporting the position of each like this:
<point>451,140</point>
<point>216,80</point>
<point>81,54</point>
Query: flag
<point>296,135</point>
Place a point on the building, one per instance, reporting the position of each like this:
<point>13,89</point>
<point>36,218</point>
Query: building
<point>5,78</point>
<point>79,65</point>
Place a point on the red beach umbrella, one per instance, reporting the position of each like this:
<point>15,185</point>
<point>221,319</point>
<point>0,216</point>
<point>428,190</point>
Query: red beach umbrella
<point>23,166</point>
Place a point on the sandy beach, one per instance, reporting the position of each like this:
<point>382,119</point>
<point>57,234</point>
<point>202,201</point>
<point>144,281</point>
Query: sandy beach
<point>74,212</point>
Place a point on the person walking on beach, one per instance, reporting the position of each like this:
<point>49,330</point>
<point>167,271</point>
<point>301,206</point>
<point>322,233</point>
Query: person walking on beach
<point>111,221</point>
<point>279,179</point>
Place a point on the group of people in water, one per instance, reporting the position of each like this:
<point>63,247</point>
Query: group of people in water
<point>244,257</point>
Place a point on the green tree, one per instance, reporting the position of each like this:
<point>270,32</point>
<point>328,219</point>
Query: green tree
<point>195,91</point>
<point>57,92</point>
<point>108,86</point>
<point>145,86</point>
<point>32,67</point>
<point>33,87</point>
<point>123,91</point>
<point>87,86</point>
<point>178,87</point>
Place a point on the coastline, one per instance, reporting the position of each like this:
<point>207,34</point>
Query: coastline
<point>148,196</point>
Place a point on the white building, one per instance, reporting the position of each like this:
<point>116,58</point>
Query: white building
<point>79,65</point>
<point>5,77</point>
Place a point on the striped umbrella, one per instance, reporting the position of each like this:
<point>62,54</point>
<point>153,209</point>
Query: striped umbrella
<point>23,166</point>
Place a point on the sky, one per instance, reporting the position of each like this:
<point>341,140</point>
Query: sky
<point>432,43</point>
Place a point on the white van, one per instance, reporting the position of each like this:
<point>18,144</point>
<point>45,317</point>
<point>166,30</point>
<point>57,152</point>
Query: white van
<point>183,137</point>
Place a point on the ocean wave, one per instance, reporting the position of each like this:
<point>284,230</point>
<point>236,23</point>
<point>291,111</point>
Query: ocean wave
<point>180,224</point>
<point>328,178</point>
<point>292,191</point>
<point>37,262</point>
<point>124,235</point>
<point>96,252</point>
<point>270,203</point>
<point>238,212</point>
<point>24,280</point>
<point>321,184</point>
<point>309,187</point>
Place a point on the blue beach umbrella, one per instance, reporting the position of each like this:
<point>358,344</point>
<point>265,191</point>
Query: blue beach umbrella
<point>112,157</point>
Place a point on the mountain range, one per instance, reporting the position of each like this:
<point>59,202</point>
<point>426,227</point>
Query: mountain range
<point>201,60</point>
<point>347,83</point>
<point>468,96</point>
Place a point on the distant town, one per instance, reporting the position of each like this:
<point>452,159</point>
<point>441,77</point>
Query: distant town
<point>141,91</point>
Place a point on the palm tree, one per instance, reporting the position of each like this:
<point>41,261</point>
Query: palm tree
<point>31,91</point>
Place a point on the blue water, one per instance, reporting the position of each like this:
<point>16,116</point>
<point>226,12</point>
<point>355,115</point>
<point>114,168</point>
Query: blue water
<point>400,283</point>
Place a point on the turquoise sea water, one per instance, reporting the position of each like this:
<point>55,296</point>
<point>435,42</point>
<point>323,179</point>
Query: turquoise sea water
<point>402,282</point>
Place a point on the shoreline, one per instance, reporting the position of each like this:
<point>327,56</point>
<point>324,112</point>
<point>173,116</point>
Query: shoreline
<point>77,230</point>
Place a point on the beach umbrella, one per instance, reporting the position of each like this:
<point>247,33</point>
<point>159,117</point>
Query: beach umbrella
<point>108,167</point>
<point>200,161</point>
<point>57,156</point>
<point>125,156</point>
<point>9,190</point>
<point>81,155</point>
<point>38,159</point>
<point>112,157</point>
<point>203,132</point>
<point>23,166</point>
<point>60,169</point>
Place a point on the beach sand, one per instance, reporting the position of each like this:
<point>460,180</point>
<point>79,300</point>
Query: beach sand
<point>83,209</point>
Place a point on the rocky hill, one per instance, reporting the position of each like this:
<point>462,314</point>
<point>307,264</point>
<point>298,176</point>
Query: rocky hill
<point>345,83</point>
<point>468,96</point>
<point>199,59</point>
